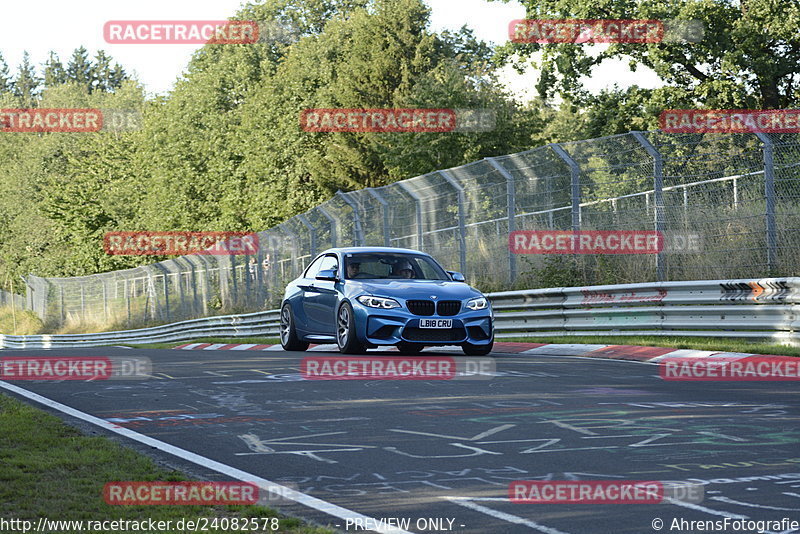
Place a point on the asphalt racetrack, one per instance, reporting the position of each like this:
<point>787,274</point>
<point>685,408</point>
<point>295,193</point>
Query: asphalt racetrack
<point>442,453</point>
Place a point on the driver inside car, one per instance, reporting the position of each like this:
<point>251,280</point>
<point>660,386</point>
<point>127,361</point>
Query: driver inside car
<point>353,269</point>
<point>403,269</point>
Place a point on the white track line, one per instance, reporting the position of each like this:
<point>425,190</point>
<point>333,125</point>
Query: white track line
<point>467,503</point>
<point>301,498</point>
<point>570,349</point>
<point>327,347</point>
<point>243,346</point>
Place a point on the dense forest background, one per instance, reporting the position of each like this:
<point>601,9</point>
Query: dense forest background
<point>224,149</point>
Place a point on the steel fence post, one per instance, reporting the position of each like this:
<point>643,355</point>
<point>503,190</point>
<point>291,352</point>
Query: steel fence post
<point>293,239</point>
<point>83,303</point>
<point>261,280</point>
<point>127,302</point>
<point>418,209</point>
<point>312,233</point>
<point>164,272</point>
<point>462,233</point>
<point>385,210</point>
<point>575,181</point>
<point>358,232</point>
<point>205,288</point>
<point>193,275</point>
<point>511,201</point>
<point>105,300</point>
<point>769,195</point>
<point>182,308</point>
<point>334,225</point>
<point>658,198</point>
<point>234,284</point>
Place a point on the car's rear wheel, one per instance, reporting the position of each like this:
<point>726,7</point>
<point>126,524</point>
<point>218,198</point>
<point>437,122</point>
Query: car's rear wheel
<point>409,348</point>
<point>477,350</point>
<point>346,337</point>
<point>289,339</point>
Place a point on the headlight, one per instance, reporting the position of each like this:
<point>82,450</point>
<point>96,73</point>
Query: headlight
<point>378,302</point>
<point>479,303</point>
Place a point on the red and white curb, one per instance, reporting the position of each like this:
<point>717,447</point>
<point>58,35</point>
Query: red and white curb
<point>614,352</point>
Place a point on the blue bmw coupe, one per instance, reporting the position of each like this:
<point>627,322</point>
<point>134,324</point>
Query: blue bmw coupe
<point>366,297</point>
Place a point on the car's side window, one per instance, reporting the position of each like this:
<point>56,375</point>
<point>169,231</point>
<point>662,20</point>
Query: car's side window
<point>313,269</point>
<point>329,262</point>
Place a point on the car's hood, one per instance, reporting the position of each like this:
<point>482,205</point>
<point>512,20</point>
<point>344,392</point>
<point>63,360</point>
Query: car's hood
<point>413,289</point>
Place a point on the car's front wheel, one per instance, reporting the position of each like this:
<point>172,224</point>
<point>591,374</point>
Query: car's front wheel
<point>289,339</point>
<point>346,331</point>
<point>477,350</point>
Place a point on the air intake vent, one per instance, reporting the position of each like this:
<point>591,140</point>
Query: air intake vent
<point>421,307</point>
<point>449,307</point>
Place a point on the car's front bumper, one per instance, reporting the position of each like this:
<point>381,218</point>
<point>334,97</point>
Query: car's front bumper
<point>390,327</point>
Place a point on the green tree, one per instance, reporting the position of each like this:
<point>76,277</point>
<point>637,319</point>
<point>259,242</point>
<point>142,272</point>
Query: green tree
<point>26,83</point>
<point>79,68</point>
<point>54,73</point>
<point>747,57</point>
<point>6,83</point>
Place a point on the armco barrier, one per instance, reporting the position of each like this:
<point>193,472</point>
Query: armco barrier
<point>754,308</point>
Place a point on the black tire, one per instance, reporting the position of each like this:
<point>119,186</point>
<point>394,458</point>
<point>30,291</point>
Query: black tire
<point>477,350</point>
<point>289,339</point>
<point>346,337</point>
<point>409,348</point>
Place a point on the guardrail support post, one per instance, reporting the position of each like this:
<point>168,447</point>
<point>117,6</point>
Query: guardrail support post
<point>358,232</point>
<point>658,198</point>
<point>418,207</point>
<point>385,209</point>
<point>462,233</point>
<point>334,226</point>
<point>575,181</point>
<point>769,195</point>
<point>511,202</point>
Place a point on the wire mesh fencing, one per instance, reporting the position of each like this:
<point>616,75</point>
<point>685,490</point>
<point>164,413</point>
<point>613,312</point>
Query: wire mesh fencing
<point>727,204</point>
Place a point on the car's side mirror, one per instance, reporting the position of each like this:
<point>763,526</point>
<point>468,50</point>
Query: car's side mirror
<point>327,274</point>
<point>456,276</point>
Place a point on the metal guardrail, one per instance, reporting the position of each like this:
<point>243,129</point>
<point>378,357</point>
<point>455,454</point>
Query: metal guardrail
<point>767,308</point>
<point>257,324</point>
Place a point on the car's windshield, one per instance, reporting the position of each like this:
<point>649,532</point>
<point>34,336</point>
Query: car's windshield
<point>389,265</point>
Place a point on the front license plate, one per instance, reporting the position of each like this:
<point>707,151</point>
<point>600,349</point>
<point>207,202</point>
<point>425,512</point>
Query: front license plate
<point>436,323</point>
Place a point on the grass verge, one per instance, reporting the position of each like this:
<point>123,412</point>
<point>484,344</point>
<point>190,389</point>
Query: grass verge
<point>51,470</point>
<point>19,322</point>
<point>701,343</point>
